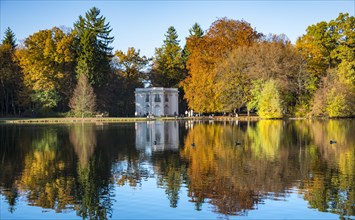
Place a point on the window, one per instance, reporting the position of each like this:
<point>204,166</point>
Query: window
<point>157,98</point>
<point>147,98</point>
<point>166,98</point>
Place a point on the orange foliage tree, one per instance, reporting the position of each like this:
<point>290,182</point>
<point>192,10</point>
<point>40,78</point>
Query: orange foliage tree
<point>206,53</point>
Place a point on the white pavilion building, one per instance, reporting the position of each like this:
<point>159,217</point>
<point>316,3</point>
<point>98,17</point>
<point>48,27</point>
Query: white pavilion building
<point>157,101</point>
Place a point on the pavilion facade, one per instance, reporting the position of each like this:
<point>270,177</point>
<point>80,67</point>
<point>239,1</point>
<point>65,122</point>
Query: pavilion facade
<point>157,101</point>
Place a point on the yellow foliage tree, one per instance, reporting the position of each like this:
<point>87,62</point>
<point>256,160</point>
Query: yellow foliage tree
<point>48,60</point>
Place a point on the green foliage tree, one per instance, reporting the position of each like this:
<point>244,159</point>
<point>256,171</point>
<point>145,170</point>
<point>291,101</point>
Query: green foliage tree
<point>255,94</point>
<point>93,36</point>
<point>329,49</point>
<point>83,102</point>
<point>196,31</point>
<point>270,103</point>
<point>168,68</point>
<point>346,71</point>
<point>130,67</point>
<point>10,38</point>
<point>337,104</point>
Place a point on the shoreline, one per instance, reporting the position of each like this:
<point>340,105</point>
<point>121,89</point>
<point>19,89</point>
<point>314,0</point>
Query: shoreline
<point>117,119</point>
<point>138,119</point>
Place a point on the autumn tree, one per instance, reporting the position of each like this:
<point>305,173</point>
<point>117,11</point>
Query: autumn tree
<point>83,102</point>
<point>328,48</point>
<point>130,67</point>
<point>234,81</point>
<point>93,35</point>
<point>10,76</point>
<point>206,53</point>
<point>48,61</point>
<point>195,32</point>
<point>241,76</point>
<point>168,68</point>
<point>270,103</point>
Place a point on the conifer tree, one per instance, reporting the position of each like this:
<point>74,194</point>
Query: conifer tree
<point>9,38</point>
<point>83,101</point>
<point>10,76</point>
<point>196,31</point>
<point>168,65</point>
<point>94,51</point>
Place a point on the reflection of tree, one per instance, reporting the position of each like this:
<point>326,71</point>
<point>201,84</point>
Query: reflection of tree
<point>43,177</point>
<point>171,170</point>
<point>51,176</point>
<point>11,197</point>
<point>234,178</point>
<point>83,139</point>
<point>129,168</point>
<point>93,174</point>
<point>94,191</point>
<point>266,137</point>
<point>10,154</point>
<point>330,182</point>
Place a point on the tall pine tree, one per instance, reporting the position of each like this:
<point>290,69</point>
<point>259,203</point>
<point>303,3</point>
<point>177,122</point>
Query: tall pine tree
<point>10,76</point>
<point>9,38</point>
<point>168,65</point>
<point>195,32</point>
<point>94,51</point>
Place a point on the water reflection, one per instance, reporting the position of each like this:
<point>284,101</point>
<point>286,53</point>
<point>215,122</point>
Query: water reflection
<point>235,178</point>
<point>83,139</point>
<point>233,167</point>
<point>157,136</point>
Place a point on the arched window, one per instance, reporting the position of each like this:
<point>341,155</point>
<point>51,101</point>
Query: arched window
<point>157,98</point>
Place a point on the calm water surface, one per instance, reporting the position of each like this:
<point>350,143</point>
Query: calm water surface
<point>177,170</point>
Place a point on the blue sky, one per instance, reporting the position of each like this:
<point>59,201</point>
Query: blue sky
<point>142,24</point>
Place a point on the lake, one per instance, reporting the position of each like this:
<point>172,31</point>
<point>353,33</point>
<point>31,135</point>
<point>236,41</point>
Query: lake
<point>269,169</point>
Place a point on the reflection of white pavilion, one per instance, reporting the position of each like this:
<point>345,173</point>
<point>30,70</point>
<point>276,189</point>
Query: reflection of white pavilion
<point>157,136</point>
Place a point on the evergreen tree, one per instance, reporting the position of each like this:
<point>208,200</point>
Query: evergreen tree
<point>168,65</point>
<point>196,31</point>
<point>94,51</point>
<point>83,102</point>
<point>10,76</point>
<point>9,38</point>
